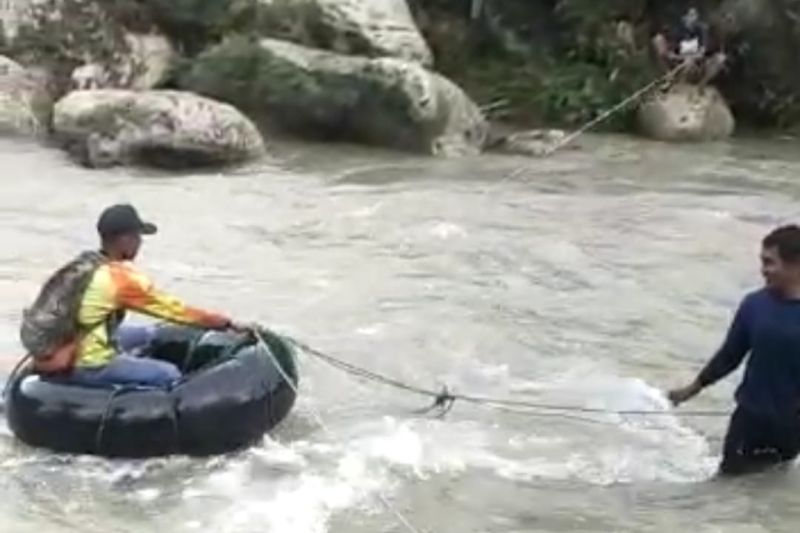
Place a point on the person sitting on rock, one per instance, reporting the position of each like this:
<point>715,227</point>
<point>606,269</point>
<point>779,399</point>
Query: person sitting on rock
<point>687,45</point>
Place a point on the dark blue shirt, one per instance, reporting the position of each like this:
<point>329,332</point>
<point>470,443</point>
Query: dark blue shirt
<point>684,33</point>
<point>767,327</point>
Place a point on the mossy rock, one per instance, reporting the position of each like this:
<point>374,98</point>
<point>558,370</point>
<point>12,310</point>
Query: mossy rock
<point>323,95</point>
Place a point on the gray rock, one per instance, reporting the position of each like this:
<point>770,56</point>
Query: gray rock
<point>142,64</point>
<point>686,113</point>
<point>150,58</point>
<point>323,95</point>
<point>162,128</point>
<point>363,27</point>
<point>25,104</point>
<point>81,45</point>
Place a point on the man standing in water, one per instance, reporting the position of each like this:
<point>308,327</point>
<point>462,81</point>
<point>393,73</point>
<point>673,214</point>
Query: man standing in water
<point>764,429</point>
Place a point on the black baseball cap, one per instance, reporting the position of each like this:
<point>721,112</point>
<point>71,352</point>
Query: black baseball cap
<point>123,218</point>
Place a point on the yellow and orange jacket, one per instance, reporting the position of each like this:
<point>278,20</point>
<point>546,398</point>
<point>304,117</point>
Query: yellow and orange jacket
<point>116,287</point>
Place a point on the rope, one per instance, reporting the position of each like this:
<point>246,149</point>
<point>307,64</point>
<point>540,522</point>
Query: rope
<point>394,510</point>
<point>12,376</point>
<point>445,398</point>
<point>604,115</point>
<point>101,428</point>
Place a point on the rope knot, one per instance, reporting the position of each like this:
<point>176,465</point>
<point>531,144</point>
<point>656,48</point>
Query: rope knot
<point>444,399</point>
<point>443,402</point>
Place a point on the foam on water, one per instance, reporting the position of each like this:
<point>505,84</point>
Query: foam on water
<point>301,485</point>
<point>366,212</point>
<point>318,479</point>
<point>446,230</point>
<point>370,330</point>
<point>301,503</point>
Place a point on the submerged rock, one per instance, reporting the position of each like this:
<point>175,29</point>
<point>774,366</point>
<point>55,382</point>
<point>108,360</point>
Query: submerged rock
<point>534,143</point>
<point>170,129</point>
<point>324,95</point>
<point>686,113</point>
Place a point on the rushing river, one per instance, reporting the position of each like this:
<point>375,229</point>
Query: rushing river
<point>595,278</point>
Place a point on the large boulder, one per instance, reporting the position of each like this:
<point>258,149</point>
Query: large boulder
<point>171,129</point>
<point>362,27</point>
<point>24,102</point>
<point>323,95</point>
<point>86,44</point>
<point>686,113</point>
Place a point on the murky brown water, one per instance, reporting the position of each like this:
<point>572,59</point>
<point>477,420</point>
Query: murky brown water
<point>595,278</point>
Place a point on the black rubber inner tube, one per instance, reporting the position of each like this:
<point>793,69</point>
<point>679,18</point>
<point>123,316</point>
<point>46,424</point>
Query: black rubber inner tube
<point>231,394</point>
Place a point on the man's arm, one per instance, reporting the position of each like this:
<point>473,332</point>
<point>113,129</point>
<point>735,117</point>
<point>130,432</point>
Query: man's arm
<point>729,356</point>
<point>732,352</point>
<point>136,292</point>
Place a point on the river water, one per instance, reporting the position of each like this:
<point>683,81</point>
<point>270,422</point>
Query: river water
<point>596,278</point>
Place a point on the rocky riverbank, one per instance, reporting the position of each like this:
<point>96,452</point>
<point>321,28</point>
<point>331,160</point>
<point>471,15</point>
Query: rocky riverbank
<point>198,82</point>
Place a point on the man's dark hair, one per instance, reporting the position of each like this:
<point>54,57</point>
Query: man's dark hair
<point>786,239</point>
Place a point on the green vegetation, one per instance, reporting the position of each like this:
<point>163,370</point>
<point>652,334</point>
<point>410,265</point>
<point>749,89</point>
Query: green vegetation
<point>576,59</point>
<point>565,61</point>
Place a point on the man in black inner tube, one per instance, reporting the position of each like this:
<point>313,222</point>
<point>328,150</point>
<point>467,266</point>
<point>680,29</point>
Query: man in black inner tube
<point>109,352</point>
